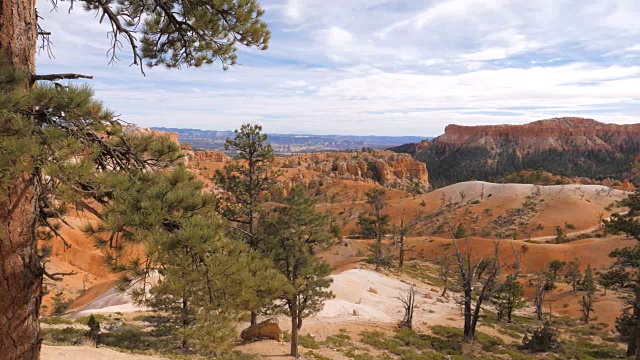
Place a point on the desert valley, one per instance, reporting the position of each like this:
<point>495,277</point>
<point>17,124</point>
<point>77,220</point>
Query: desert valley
<point>544,223</point>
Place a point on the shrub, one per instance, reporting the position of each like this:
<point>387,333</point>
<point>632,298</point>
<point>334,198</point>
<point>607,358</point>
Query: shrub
<point>55,320</point>
<point>308,342</point>
<point>94,329</point>
<point>60,304</point>
<point>543,339</point>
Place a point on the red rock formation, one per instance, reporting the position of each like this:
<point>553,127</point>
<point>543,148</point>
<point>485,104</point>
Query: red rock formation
<point>212,156</point>
<point>557,133</point>
<point>386,167</point>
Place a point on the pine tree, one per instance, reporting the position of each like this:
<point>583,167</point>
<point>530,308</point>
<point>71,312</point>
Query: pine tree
<point>53,159</point>
<point>36,129</point>
<point>629,258</point>
<point>94,330</point>
<point>165,224</point>
<point>615,277</point>
<point>246,184</point>
<point>508,299</point>
<point>588,285</point>
<point>555,266</point>
<point>375,223</point>
<point>573,274</point>
<point>295,233</point>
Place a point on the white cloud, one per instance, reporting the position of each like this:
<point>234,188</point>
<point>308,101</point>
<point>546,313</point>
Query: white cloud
<point>383,67</point>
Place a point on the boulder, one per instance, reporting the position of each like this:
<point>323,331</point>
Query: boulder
<point>268,329</point>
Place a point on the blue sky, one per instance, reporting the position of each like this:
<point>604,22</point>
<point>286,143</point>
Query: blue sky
<point>381,67</point>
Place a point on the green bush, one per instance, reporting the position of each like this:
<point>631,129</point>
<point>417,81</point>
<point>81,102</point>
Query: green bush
<point>55,320</point>
<point>65,336</point>
<point>308,342</point>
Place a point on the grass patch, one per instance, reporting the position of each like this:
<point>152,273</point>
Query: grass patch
<point>55,320</point>
<point>64,336</point>
<point>308,341</point>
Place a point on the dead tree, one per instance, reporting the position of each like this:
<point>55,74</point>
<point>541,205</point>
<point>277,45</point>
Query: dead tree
<point>401,245</point>
<point>542,284</point>
<point>444,264</point>
<point>408,302</point>
<point>488,285</point>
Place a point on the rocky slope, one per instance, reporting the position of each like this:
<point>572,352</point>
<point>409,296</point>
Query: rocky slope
<point>563,146</point>
<point>384,167</point>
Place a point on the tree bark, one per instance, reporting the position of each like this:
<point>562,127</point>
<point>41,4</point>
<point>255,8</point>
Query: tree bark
<point>20,270</point>
<point>20,273</point>
<point>18,33</point>
<point>185,319</point>
<point>468,334</point>
<point>634,341</point>
<point>294,327</point>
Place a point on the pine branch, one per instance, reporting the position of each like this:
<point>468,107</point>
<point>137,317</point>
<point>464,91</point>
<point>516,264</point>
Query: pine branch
<point>54,77</point>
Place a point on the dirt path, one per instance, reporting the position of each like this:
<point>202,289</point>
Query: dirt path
<point>87,352</point>
<point>585,231</point>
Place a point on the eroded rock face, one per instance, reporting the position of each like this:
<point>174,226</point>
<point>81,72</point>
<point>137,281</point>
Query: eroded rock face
<point>570,147</point>
<point>213,156</point>
<point>385,167</point>
<point>268,329</point>
<point>553,134</point>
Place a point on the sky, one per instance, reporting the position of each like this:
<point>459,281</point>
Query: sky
<point>380,67</point>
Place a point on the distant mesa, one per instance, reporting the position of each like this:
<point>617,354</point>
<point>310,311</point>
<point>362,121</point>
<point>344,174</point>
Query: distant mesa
<point>568,146</point>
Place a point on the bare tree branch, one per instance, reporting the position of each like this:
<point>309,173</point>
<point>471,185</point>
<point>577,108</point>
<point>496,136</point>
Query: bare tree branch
<point>54,77</point>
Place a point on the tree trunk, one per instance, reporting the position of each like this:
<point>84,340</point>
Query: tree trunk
<point>294,327</point>
<point>637,346</point>
<point>254,318</point>
<point>18,32</point>
<point>634,341</point>
<point>475,317</point>
<point>468,334</point>
<point>185,319</point>
<point>20,271</point>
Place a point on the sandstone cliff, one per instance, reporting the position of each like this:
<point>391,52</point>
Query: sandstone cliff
<point>553,134</point>
<point>563,146</point>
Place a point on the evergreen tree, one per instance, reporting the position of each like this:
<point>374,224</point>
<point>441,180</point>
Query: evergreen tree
<point>588,285</point>
<point>58,148</point>
<point>508,299</point>
<point>94,330</point>
<point>615,277</point>
<point>375,223</point>
<point>246,185</point>
<point>295,233</point>
<point>629,259</point>
<point>460,232</point>
<point>165,224</point>
<point>555,266</point>
<point>40,132</point>
<point>573,274</point>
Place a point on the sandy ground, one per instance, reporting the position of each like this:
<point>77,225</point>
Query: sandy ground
<point>87,352</point>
